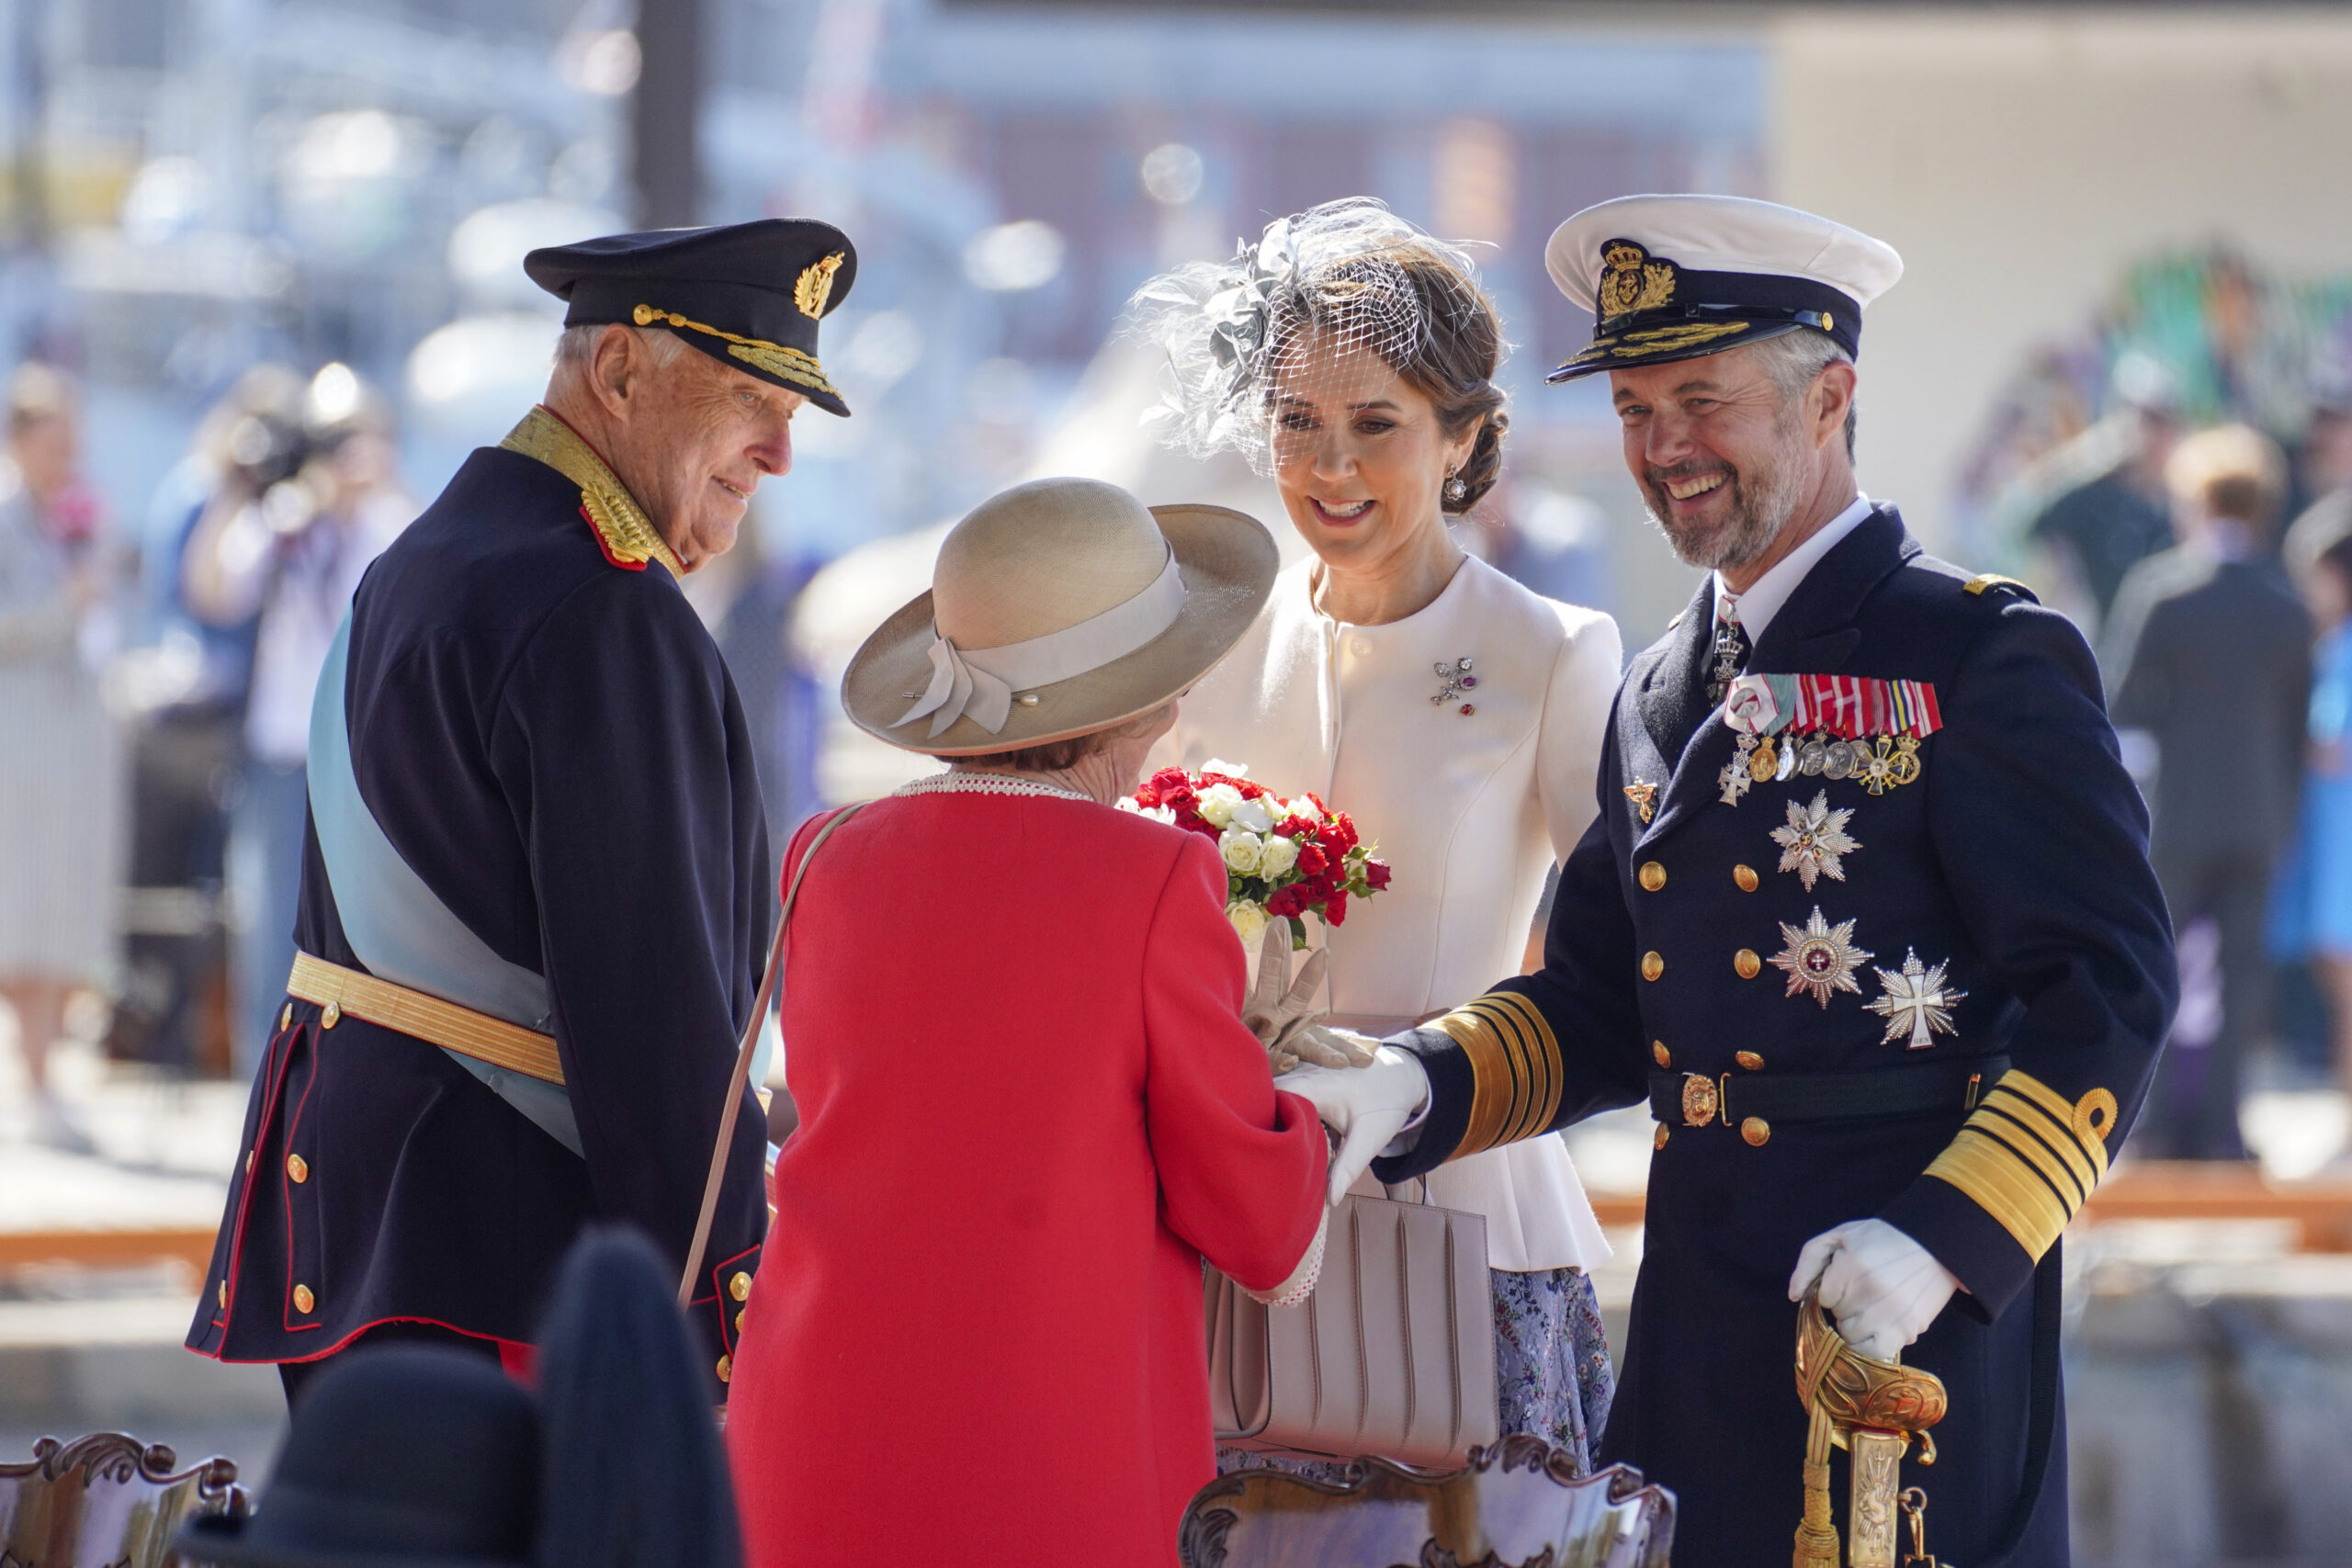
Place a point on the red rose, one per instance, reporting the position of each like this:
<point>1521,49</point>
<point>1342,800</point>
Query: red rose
<point>1311,860</point>
<point>1298,827</point>
<point>1168,778</point>
<point>1335,842</point>
<point>1376,875</point>
<point>1287,901</point>
<point>1336,910</point>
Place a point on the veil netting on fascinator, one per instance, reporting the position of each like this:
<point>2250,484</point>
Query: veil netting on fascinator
<point>1284,312</point>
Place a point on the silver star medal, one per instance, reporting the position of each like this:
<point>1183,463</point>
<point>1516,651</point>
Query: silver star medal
<point>1815,840</point>
<point>1915,1000</point>
<point>1820,958</point>
<point>1735,777</point>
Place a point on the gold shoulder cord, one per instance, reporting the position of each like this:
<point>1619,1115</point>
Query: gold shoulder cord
<point>627,533</point>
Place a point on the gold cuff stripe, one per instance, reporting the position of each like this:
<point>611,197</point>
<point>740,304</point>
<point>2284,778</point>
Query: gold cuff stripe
<point>1514,1069</point>
<point>776,358</point>
<point>2014,1194</point>
<point>2029,1158</point>
<point>2034,1149</point>
<point>2065,1117</point>
<point>1542,1102</point>
<point>426,1018</point>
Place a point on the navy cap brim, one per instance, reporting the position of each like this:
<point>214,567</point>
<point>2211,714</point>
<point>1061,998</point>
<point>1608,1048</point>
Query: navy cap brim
<point>1666,343</point>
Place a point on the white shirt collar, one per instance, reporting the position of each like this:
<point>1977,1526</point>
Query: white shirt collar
<point>1769,592</point>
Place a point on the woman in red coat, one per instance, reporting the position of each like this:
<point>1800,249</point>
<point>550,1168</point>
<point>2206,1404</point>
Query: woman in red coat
<point>1027,1105</point>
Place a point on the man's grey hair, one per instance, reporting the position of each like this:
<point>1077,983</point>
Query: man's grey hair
<point>577,346</point>
<point>1793,359</point>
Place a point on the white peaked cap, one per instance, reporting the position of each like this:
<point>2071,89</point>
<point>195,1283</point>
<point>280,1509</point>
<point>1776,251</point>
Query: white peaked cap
<point>1722,233</point>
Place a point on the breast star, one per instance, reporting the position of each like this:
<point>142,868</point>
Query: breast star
<point>1914,1001</point>
<point>1813,840</point>
<point>1820,958</point>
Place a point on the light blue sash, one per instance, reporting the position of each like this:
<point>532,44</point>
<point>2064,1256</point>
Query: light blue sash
<point>401,930</point>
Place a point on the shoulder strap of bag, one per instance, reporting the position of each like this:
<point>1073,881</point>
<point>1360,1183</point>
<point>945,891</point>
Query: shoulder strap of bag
<point>728,1115</point>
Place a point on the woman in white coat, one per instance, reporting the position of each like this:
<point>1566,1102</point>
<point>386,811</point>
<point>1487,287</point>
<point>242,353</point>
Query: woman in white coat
<point>1455,715</point>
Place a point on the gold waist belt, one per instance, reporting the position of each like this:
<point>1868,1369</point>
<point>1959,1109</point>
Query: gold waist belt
<point>429,1018</point>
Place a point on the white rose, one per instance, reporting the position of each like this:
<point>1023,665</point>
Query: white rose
<point>1230,770</point>
<point>1277,855</point>
<point>1253,815</point>
<point>1217,803</point>
<point>1302,808</point>
<point>1241,850</point>
<point>1248,917</point>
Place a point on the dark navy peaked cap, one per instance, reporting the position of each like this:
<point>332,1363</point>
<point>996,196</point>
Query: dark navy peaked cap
<point>750,295</point>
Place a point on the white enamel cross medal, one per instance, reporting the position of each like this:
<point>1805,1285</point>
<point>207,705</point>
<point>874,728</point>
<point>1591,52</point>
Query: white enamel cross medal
<point>1917,1000</point>
<point>1737,775</point>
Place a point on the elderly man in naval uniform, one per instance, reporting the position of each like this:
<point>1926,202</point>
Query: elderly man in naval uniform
<point>1867,920</point>
<point>535,895</point>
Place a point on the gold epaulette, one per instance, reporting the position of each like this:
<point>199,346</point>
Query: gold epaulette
<point>1515,1065</point>
<point>2029,1158</point>
<point>1983,579</point>
<point>623,530</point>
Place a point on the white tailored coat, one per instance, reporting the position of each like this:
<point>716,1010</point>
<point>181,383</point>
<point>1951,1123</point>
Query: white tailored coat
<point>1471,801</point>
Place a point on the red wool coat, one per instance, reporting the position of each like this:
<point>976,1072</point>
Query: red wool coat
<point>1027,1111</point>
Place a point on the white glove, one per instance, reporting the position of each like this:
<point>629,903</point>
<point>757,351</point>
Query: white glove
<point>1366,1106</point>
<point>1883,1288</point>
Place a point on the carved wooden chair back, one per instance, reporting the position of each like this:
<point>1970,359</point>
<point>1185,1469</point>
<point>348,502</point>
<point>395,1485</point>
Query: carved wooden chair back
<point>1517,1504</point>
<point>106,1501</point>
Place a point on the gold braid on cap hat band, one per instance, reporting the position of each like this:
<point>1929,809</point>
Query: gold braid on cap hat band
<point>772,357</point>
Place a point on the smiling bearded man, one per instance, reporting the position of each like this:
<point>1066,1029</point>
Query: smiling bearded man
<point>1867,920</point>
<point>535,894</point>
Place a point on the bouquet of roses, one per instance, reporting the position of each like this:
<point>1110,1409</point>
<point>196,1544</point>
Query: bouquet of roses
<point>1283,859</point>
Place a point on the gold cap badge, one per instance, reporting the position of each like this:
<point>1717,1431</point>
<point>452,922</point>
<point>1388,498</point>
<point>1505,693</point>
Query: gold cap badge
<point>1631,280</point>
<point>816,286</point>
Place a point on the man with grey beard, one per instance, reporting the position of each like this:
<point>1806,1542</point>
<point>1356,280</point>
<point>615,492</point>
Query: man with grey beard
<point>1867,920</point>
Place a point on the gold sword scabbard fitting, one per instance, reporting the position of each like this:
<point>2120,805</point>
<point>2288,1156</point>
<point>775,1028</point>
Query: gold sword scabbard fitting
<point>1873,1409</point>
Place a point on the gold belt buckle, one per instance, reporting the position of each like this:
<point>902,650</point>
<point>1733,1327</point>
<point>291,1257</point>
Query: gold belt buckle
<point>1699,1100</point>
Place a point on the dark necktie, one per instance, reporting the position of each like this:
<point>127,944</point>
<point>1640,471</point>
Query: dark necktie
<point>1728,656</point>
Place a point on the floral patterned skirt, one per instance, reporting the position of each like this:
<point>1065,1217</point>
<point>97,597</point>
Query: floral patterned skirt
<point>1552,1371</point>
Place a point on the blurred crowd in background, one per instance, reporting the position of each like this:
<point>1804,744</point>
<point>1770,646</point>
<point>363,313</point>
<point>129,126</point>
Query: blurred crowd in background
<point>259,263</point>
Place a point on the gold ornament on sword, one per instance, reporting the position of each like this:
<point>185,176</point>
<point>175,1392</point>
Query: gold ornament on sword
<point>1872,1409</point>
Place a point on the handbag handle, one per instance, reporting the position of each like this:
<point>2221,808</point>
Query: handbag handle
<point>732,1111</point>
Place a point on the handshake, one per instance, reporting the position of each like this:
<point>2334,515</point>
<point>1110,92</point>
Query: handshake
<point>1883,1288</point>
<point>1365,1091</point>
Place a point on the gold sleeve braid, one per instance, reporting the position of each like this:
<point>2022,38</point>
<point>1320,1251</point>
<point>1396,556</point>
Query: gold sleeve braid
<point>1515,1063</point>
<point>2030,1158</point>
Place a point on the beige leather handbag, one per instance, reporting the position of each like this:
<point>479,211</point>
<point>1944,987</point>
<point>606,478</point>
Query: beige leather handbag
<point>1391,1355</point>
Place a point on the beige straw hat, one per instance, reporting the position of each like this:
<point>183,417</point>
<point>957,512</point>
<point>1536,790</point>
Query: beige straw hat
<point>1057,608</point>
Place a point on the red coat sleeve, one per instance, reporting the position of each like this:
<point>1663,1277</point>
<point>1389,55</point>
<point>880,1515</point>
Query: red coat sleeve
<point>1241,1166</point>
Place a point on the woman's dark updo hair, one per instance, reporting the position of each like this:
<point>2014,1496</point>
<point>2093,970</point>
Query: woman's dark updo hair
<point>1453,364</point>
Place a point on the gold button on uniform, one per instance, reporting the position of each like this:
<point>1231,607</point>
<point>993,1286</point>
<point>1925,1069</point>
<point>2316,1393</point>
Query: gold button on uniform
<point>1747,963</point>
<point>303,1300</point>
<point>1657,1139</point>
<point>726,1369</point>
<point>739,1317</point>
<point>1652,965</point>
<point>1755,1130</point>
<point>1749,1059</point>
<point>1746,877</point>
<point>249,1162</point>
<point>1653,875</point>
<point>224,1296</point>
<point>298,1168</point>
<point>332,1016</point>
<point>740,1287</point>
<point>1664,1057</point>
<point>285,1015</point>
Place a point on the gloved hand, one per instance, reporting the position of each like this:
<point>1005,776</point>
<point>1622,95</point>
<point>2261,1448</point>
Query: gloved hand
<point>1282,1012</point>
<point>1366,1106</point>
<point>1883,1288</point>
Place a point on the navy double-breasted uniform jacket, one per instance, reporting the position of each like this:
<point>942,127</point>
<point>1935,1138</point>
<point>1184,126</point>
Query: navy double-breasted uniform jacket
<point>545,733</point>
<point>2017,860</point>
